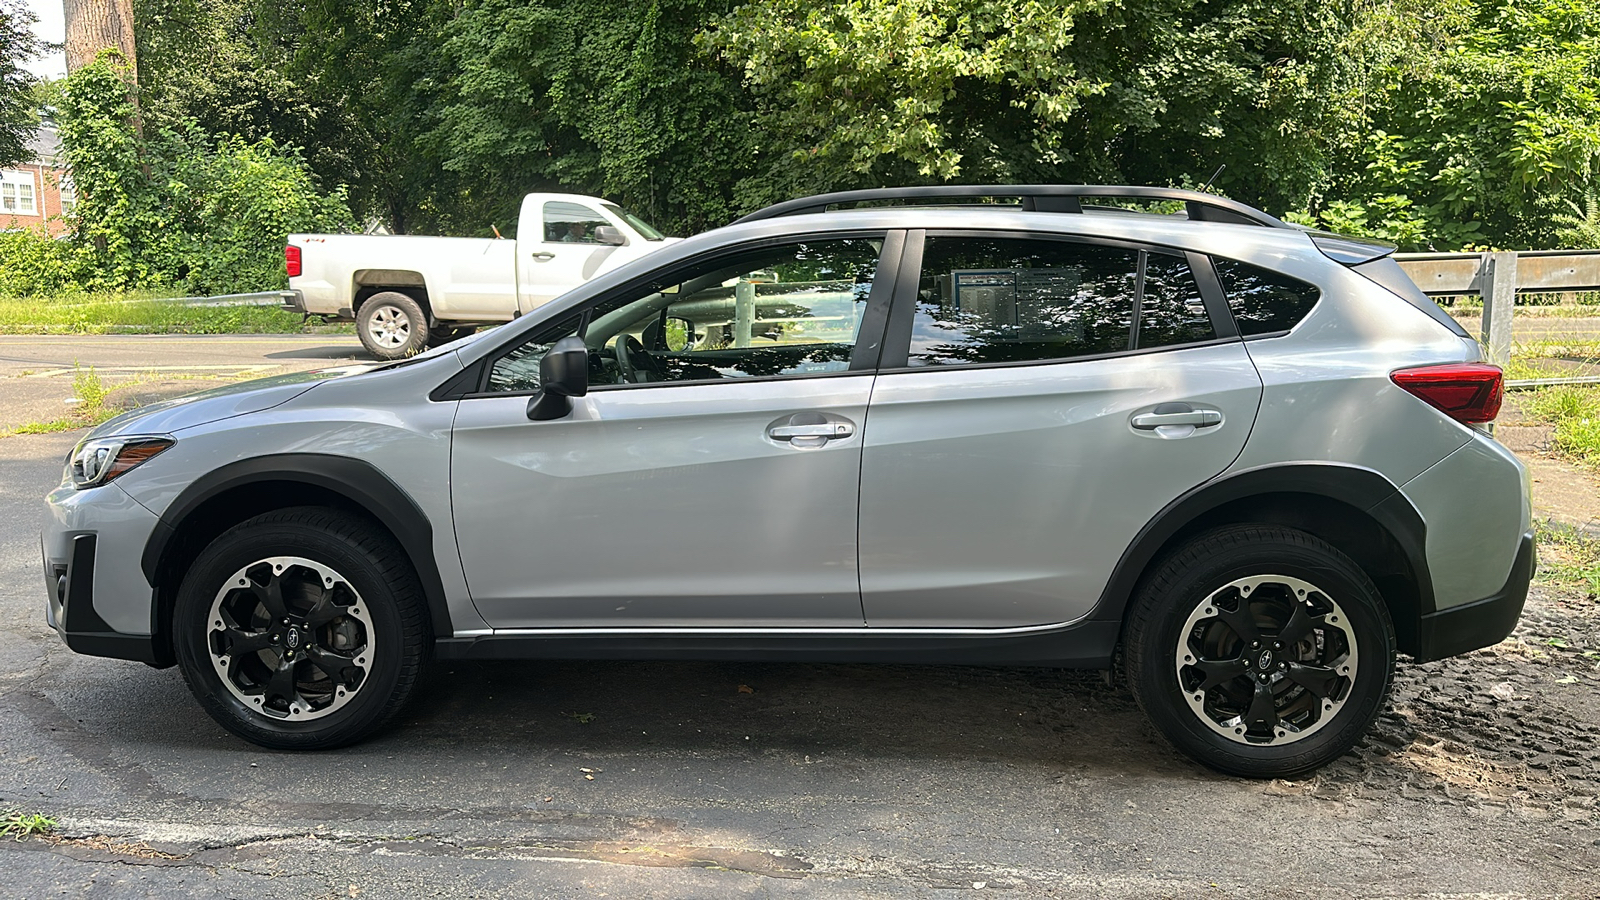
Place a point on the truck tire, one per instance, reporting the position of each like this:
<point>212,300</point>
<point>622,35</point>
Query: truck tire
<point>392,325</point>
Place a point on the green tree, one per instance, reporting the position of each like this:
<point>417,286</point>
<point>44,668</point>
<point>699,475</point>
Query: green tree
<point>18,111</point>
<point>1481,127</point>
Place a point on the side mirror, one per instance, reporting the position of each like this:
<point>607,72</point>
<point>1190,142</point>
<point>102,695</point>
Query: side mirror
<point>679,334</point>
<point>563,374</point>
<point>609,234</point>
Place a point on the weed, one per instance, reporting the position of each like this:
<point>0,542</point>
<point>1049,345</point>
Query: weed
<point>1569,556</point>
<point>21,826</point>
<point>91,410</point>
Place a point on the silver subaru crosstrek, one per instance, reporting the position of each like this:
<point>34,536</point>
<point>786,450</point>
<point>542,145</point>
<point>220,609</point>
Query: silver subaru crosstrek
<point>1031,426</point>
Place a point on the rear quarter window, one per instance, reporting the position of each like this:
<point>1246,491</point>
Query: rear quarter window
<point>1264,301</point>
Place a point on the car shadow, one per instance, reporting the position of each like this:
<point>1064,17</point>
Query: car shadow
<point>339,351</point>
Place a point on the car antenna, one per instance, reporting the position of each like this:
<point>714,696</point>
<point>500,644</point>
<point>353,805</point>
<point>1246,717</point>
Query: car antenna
<point>1202,190</point>
<point>496,232</point>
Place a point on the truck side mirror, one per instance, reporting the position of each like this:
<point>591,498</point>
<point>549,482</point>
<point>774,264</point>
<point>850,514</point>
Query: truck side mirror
<point>563,374</point>
<point>609,234</point>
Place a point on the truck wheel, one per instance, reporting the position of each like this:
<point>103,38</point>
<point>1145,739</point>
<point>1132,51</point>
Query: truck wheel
<point>392,325</point>
<point>1260,651</point>
<point>301,629</point>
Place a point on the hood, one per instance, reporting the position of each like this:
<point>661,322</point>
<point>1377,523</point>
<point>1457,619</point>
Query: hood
<point>223,402</point>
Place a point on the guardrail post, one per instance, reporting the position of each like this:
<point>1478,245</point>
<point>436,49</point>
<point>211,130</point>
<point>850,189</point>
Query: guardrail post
<point>1498,287</point>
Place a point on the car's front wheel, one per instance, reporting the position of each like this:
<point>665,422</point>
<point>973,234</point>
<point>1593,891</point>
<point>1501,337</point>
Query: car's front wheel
<point>301,629</point>
<point>1260,651</point>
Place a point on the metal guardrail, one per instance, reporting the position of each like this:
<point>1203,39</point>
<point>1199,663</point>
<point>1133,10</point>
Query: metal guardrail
<point>1498,277</point>
<point>259,298</point>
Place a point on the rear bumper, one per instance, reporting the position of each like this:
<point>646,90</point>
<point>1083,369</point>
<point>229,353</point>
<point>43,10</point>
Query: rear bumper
<point>1470,626</point>
<point>293,301</point>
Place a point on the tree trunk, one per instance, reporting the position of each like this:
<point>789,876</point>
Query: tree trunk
<point>94,25</point>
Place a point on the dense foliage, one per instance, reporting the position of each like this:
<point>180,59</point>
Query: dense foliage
<point>172,207</point>
<point>1434,123</point>
<point>17,114</point>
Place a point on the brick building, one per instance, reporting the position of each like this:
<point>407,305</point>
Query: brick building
<point>36,193</point>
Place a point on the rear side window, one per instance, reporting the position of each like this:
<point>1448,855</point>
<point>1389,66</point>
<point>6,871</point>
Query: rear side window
<point>1263,301</point>
<point>996,300</point>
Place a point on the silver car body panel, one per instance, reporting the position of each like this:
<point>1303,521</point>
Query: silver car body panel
<point>122,525</point>
<point>1468,549</point>
<point>655,505</point>
<point>380,417</point>
<point>1004,496</point>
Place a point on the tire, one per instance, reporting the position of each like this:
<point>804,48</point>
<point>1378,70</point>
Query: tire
<point>1202,673</point>
<point>392,325</point>
<point>355,641</point>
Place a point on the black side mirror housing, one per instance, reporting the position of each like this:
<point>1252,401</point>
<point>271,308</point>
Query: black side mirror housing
<point>563,374</point>
<point>609,234</point>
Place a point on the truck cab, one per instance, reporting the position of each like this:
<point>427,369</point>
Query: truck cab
<point>407,292</point>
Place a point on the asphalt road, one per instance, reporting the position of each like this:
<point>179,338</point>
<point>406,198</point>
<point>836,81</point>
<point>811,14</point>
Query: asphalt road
<point>691,780</point>
<point>36,372</point>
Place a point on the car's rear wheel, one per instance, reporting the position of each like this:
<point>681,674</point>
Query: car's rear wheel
<point>392,325</point>
<point>301,629</point>
<point>1260,651</point>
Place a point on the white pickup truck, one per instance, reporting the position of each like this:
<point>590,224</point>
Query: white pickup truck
<point>406,292</point>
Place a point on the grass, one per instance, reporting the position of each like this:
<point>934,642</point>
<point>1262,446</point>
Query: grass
<point>92,409</point>
<point>21,826</point>
<point>1574,410</point>
<point>1568,556</point>
<point>142,314</point>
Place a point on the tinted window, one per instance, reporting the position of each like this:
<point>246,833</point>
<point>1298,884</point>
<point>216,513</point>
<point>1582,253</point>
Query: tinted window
<point>1263,301</point>
<point>789,310</point>
<point>984,300</point>
<point>1171,311</point>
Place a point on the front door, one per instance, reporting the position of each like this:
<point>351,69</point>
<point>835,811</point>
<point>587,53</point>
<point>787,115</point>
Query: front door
<point>709,478</point>
<point>1047,399</point>
<point>565,253</point>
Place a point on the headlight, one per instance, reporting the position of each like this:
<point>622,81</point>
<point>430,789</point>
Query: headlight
<point>96,462</point>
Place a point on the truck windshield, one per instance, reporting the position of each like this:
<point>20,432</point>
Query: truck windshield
<point>639,225</point>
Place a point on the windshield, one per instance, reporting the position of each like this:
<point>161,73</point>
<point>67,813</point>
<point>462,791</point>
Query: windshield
<point>639,225</point>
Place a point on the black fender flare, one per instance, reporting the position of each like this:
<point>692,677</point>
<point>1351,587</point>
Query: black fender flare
<point>356,480</point>
<point>1355,486</point>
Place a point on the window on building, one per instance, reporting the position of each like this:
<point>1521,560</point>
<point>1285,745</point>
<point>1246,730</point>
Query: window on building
<point>17,194</point>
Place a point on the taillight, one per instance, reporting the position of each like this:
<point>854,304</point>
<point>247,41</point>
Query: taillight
<point>1467,392</point>
<point>291,260</point>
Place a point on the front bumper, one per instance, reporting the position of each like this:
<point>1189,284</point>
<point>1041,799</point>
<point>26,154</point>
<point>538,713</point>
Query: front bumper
<point>1470,626</point>
<point>98,599</point>
<point>71,610</point>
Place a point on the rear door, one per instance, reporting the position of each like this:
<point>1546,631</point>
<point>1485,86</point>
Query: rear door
<point>1040,401</point>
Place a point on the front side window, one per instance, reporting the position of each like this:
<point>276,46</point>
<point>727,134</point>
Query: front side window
<point>1263,301</point>
<point>996,300</point>
<point>571,223</point>
<point>794,309</point>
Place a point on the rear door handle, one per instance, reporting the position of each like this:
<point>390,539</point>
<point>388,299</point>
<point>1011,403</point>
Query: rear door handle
<point>810,429</point>
<point>544,256</point>
<point>1199,418</point>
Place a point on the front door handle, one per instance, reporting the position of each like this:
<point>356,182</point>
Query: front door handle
<point>810,429</point>
<point>1199,418</point>
<point>543,256</point>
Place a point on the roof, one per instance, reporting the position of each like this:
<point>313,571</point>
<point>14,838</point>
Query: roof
<point>44,146</point>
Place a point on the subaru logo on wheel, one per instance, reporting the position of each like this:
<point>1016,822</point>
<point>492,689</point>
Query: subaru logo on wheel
<point>1264,662</point>
<point>292,639</point>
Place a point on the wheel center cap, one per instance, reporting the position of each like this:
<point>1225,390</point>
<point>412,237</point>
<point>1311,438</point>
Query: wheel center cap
<point>1265,662</point>
<point>292,639</point>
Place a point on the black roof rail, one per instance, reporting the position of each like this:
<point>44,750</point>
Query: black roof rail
<point>1062,198</point>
